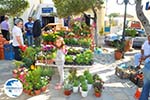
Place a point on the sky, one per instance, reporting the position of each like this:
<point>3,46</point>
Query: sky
<point>113,7</point>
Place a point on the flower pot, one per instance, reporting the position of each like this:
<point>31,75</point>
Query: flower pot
<point>84,93</point>
<point>43,89</point>
<point>89,86</point>
<point>37,92</point>
<point>50,61</point>
<point>75,89</point>
<point>27,91</point>
<point>67,92</point>
<point>118,54</point>
<point>14,75</point>
<point>97,94</point>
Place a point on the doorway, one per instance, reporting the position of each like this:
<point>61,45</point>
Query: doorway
<point>46,20</point>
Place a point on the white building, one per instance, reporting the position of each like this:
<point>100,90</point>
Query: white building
<point>41,10</point>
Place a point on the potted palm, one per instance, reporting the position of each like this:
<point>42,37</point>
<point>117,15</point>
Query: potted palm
<point>75,86</point>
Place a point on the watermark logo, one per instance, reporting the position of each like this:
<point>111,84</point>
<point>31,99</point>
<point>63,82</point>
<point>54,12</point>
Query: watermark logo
<point>13,88</point>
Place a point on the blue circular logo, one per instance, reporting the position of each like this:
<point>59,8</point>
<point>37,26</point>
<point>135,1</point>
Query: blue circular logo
<point>13,88</point>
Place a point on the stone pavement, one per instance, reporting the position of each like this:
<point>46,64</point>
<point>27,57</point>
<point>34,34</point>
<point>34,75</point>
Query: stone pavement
<point>114,88</point>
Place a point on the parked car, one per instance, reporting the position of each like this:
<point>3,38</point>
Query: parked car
<point>115,37</point>
<point>111,38</point>
<point>138,41</point>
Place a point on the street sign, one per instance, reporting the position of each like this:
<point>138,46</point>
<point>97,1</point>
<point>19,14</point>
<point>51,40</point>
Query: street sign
<point>47,10</point>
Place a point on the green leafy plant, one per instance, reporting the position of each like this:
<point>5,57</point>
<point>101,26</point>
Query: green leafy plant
<point>98,86</point>
<point>119,45</point>
<point>28,86</point>
<point>67,85</point>
<point>84,86</point>
<point>69,58</point>
<point>44,81</point>
<point>76,83</point>
<point>130,32</point>
<point>47,72</point>
<point>90,79</point>
<point>81,78</point>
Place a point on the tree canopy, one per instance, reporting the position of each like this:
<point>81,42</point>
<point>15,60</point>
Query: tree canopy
<point>66,8</point>
<point>13,7</point>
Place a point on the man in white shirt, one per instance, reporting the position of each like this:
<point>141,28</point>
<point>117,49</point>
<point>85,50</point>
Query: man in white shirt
<point>145,53</point>
<point>17,38</point>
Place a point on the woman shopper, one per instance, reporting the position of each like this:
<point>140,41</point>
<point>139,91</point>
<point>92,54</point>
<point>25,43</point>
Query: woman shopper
<point>60,60</point>
<point>17,38</point>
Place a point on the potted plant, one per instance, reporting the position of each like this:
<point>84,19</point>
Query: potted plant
<point>27,87</point>
<point>69,59</point>
<point>84,91</point>
<point>44,83</point>
<point>75,86</point>
<point>119,49</point>
<point>67,89</point>
<point>98,86</point>
<point>90,82</point>
<point>97,92</point>
<point>47,72</point>
<point>37,88</point>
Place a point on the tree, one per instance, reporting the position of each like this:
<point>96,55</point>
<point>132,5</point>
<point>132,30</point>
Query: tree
<point>113,15</point>
<point>142,17</point>
<point>67,8</point>
<point>13,7</point>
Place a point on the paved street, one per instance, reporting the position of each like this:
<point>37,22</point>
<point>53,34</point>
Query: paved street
<point>114,88</point>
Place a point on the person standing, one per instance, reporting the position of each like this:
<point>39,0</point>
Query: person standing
<point>29,34</point>
<point>17,38</point>
<point>5,28</point>
<point>37,32</point>
<point>60,60</point>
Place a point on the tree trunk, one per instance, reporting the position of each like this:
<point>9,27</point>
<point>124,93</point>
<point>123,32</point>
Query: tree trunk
<point>95,22</point>
<point>142,17</point>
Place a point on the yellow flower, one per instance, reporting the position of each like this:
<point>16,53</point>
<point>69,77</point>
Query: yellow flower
<point>45,34</point>
<point>32,67</point>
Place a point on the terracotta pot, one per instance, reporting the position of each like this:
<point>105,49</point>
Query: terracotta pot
<point>14,75</point>
<point>37,92</point>
<point>127,45</point>
<point>27,91</point>
<point>50,61</point>
<point>67,92</point>
<point>97,94</point>
<point>118,54</point>
<point>43,89</point>
<point>50,43</point>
